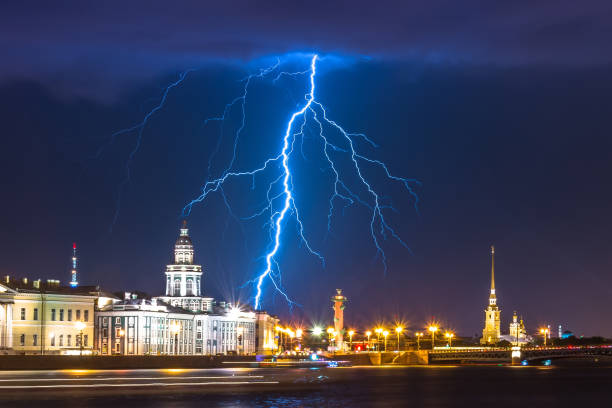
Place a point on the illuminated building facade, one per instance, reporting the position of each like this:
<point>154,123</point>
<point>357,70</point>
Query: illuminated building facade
<point>183,322</point>
<point>491,333</point>
<point>44,318</point>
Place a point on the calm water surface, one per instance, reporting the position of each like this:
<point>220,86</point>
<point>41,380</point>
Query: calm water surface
<point>439,386</point>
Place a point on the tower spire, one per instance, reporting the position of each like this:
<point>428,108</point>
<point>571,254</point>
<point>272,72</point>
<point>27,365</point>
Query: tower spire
<point>492,269</point>
<point>73,282</point>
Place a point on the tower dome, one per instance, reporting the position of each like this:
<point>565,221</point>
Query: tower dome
<point>183,248</point>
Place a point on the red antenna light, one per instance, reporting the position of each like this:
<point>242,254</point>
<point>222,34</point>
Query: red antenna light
<point>74,245</point>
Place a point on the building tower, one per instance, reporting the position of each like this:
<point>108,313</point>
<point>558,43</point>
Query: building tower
<point>491,332</point>
<point>338,307</point>
<point>184,278</point>
<point>74,283</point>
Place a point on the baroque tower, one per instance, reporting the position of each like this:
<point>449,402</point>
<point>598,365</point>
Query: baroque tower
<point>183,278</point>
<point>491,332</point>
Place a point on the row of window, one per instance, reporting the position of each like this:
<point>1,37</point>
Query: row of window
<point>77,340</point>
<point>61,314</point>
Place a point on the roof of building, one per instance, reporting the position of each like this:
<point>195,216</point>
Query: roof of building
<point>51,286</point>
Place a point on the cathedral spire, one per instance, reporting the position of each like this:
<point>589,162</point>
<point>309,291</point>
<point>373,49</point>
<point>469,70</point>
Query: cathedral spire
<point>492,269</point>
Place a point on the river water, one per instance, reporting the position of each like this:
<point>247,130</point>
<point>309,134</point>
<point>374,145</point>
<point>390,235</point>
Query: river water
<point>567,385</point>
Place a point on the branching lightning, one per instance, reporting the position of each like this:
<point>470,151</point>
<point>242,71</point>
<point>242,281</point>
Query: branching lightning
<point>281,205</point>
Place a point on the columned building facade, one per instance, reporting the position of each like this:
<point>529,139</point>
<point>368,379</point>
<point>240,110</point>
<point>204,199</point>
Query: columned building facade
<point>183,322</point>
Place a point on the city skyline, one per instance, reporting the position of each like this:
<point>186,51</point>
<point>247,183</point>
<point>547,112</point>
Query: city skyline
<point>510,148</point>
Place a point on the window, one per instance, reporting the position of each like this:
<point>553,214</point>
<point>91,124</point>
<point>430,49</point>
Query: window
<point>117,320</point>
<point>34,340</point>
<point>52,340</point>
<point>190,287</point>
<point>85,339</point>
<point>22,340</point>
<point>69,340</point>
<point>86,315</point>
<point>78,315</point>
<point>23,313</point>
<point>61,315</point>
<point>35,317</point>
<point>53,314</point>
<point>69,315</point>
<point>61,340</point>
<point>177,287</point>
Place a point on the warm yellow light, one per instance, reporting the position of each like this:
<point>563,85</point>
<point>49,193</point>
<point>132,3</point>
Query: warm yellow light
<point>351,332</point>
<point>544,331</point>
<point>398,329</point>
<point>299,332</point>
<point>121,332</point>
<point>449,335</point>
<point>419,334</point>
<point>378,330</point>
<point>368,333</point>
<point>385,333</point>
<point>317,331</point>
<point>80,326</point>
<point>175,327</point>
<point>278,328</point>
<point>330,330</point>
<point>433,329</point>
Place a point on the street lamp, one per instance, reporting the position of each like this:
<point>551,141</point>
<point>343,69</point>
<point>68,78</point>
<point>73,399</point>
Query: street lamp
<point>386,333</point>
<point>433,329</point>
<point>80,326</point>
<point>545,333</point>
<point>350,333</point>
<point>378,331</point>
<point>449,336</point>
<point>418,337</point>
<point>174,329</point>
<point>398,330</point>
<point>368,333</point>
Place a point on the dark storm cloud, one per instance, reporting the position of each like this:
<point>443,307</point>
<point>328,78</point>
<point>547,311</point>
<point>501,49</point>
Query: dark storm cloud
<point>83,45</point>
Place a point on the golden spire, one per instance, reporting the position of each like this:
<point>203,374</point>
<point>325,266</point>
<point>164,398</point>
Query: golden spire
<point>492,269</point>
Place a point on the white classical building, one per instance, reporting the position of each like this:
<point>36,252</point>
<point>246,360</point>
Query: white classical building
<point>183,322</point>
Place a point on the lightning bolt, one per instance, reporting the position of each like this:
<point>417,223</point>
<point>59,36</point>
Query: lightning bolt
<point>379,227</point>
<point>139,128</point>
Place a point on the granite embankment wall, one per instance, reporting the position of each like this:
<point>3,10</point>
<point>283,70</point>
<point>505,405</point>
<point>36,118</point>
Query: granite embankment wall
<point>403,358</point>
<point>33,362</point>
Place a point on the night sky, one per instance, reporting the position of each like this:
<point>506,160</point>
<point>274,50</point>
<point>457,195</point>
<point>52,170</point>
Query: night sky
<point>502,112</point>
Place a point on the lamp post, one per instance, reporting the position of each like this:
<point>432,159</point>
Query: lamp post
<point>545,333</point>
<point>418,337</point>
<point>449,336</point>
<point>386,333</point>
<point>433,329</point>
<point>317,331</point>
<point>174,329</point>
<point>350,333</point>
<point>80,326</point>
<point>368,333</point>
<point>121,334</point>
<point>378,332</point>
<point>330,335</point>
<point>398,330</point>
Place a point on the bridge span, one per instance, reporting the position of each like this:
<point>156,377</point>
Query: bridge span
<point>505,355</point>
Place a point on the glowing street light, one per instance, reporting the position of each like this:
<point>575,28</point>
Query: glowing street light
<point>368,333</point>
<point>449,336</point>
<point>545,332</point>
<point>298,333</point>
<point>398,330</point>
<point>418,337</point>
<point>80,326</point>
<point>385,333</point>
<point>350,333</point>
<point>378,332</point>
<point>317,331</point>
<point>433,329</point>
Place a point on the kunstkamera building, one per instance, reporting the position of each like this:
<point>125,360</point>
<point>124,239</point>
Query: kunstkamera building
<point>183,322</point>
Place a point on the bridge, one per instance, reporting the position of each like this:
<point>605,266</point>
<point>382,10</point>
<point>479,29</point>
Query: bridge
<point>504,355</point>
